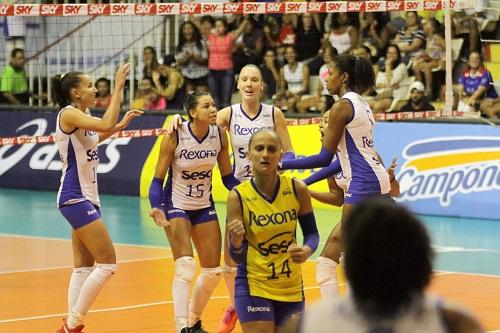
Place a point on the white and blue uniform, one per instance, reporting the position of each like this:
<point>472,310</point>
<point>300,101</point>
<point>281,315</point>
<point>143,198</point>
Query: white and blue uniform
<point>80,158</point>
<point>189,184</point>
<point>344,317</point>
<point>358,158</point>
<point>241,128</point>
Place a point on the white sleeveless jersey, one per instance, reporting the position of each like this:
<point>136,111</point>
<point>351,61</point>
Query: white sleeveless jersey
<point>241,128</point>
<point>340,315</point>
<point>358,156</point>
<point>190,175</point>
<point>293,79</point>
<point>79,157</point>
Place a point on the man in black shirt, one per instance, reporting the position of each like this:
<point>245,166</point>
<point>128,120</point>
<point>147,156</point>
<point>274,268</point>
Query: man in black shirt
<point>417,101</point>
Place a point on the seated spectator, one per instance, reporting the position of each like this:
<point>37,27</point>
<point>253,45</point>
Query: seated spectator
<point>410,39</point>
<point>364,52</point>
<point>388,266</point>
<point>174,86</point>
<point>103,97</point>
<point>433,56</point>
<point>343,34</point>
<point>192,58</point>
<point>153,101</point>
<point>294,81</point>
<point>145,86</point>
<point>490,107</point>
<point>322,100</point>
<point>417,101</point>
<point>13,80</point>
<point>150,61</point>
<point>374,31</point>
<point>391,81</point>
<point>474,84</point>
<point>270,75</point>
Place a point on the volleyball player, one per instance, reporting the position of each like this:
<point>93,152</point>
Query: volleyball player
<point>263,214</point>
<point>241,120</point>
<point>185,208</point>
<point>78,134</point>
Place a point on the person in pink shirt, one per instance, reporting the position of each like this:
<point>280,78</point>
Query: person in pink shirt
<point>220,62</point>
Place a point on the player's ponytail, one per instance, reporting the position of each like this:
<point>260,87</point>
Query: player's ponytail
<point>62,85</point>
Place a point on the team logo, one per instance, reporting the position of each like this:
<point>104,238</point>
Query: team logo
<point>443,167</point>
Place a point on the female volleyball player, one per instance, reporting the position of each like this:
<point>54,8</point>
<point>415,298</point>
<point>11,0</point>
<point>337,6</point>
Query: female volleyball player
<point>241,120</point>
<point>263,214</point>
<point>190,154</point>
<point>78,134</point>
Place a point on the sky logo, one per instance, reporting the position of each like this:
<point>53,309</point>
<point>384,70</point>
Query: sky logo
<point>443,167</point>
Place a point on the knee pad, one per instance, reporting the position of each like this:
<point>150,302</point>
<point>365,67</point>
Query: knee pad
<point>185,268</point>
<point>229,269</point>
<point>103,272</point>
<point>326,271</point>
<point>211,275</point>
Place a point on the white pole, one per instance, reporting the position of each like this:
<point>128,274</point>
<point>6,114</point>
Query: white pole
<point>448,109</point>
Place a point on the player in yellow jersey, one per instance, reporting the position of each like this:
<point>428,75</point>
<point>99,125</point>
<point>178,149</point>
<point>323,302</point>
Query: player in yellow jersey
<point>263,214</point>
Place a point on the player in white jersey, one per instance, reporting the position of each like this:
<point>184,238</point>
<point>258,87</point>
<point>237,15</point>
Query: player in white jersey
<point>388,263</point>
<point>78,134</point>
<point>252,115</point>
<point>185,209</point>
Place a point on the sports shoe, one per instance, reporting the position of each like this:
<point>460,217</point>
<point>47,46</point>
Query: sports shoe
<point>196,328</point>
<point>229,320</point>
<point>65,329</point>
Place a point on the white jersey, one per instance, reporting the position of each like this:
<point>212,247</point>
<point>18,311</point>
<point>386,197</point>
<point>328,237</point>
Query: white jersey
<point>189,183</point>
<point>342,316</point>
<point>241,128</point>
<point>358,157</point>
<point>79,157</point>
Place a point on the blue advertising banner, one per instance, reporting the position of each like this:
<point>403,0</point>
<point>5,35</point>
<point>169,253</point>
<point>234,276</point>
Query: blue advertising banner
<point>37,166</point>
<point>445,169</point>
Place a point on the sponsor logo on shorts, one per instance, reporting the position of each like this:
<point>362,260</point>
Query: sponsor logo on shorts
<point>176,210</point>
<point>258,309</point>
<point>212,212</point>
<point>92,212</point>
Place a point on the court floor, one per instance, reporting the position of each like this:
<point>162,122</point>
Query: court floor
<point>36,263</point>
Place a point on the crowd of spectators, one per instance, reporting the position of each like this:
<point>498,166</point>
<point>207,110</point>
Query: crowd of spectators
<point>291,50</point>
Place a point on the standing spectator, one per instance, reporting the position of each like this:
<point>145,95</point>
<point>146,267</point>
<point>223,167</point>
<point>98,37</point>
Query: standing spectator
<point>220,62</point>
<point>250,49</point>
<point>192,58</point>
<point>417,101</point>
<point>388,264</point>
<point>13,81</point>
<point>343,34</point>
<point>207,23</point>
<point>474,84</point>
<point>103,97</point>
<point>294,81</point>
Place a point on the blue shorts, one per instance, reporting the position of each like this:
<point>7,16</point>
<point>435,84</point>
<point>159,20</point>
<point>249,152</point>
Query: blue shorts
<point>81,213</point>
<point>254,308</point>
<point>194,216</point>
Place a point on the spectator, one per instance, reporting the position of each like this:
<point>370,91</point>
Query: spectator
<point>220,62</point>
<point>249,48</point>
<point>491,107</point>
<point>207,23</point>
<point>309,36</point>
<point>192,58</point>
<point>145,86</point>
<point>294,81</point>
<point>374,31</point>
<point>103,97</point>
<point>363,51</point>
<point>153,101</point>
<point>343,35</point>
<point>150,61</point>
<point>410,39</point>
<point>270,74</point>
<point>433,57</point>
<point>174,87</point>
<point>391,81</point>
<point>321,100</point>
<point>13,81</point>
<point>388,264</point>
<point>474,84</point>
<point>417,101</point>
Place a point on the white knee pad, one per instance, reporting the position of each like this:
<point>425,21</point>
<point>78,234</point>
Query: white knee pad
<point>326,271</point>
<point>185,268</point>
<point>211,275</point>
<point>229,269</point>
<point>103,272</point>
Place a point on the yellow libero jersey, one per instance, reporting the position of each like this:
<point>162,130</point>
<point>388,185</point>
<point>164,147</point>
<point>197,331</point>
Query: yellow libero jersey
<point>270,229</point>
